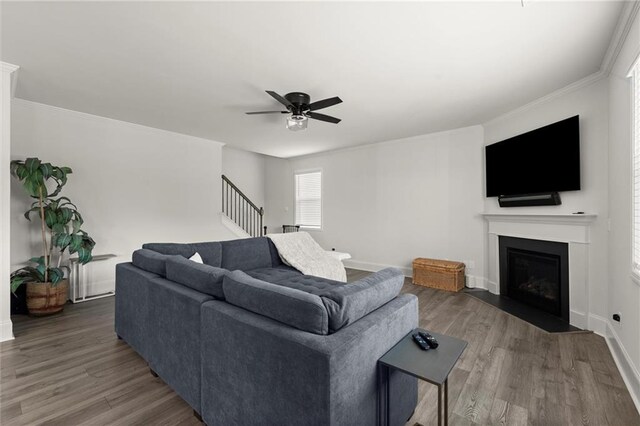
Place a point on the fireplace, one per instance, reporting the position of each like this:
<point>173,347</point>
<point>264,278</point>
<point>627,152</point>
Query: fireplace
<point>535,273</point>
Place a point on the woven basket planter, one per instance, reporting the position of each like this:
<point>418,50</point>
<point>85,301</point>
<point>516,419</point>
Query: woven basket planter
<point>47,299</point>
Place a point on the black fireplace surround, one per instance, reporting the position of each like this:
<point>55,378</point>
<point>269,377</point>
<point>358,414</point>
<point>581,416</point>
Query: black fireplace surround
<point>536,273</point>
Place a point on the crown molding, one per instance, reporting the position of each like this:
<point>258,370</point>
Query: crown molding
<point>625,22</point>
<point>576,85</point>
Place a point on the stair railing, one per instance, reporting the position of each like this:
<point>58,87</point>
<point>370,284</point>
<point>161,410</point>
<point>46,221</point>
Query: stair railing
<point>241,210</point>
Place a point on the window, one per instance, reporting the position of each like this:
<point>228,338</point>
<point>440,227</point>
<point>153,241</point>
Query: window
<point>309,199</point>
<point>635,170</point>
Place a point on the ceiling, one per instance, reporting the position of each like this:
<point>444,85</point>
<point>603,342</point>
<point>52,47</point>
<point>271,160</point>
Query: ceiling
<point>402,69</point>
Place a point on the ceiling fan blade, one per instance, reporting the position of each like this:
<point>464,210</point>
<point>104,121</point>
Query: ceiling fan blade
<point>323,117</point>
<point>267,112</point>
<point>324,103</point>
<point>280,99</point>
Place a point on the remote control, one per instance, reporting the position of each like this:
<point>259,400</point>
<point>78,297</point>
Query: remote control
<point>431,341</point>
<point>420,342</point>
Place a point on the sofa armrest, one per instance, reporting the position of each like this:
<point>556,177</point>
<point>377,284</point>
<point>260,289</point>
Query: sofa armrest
<point>257,368</point>
<point>174,318</point>
<point>132,307</point>
<point>348,303</point>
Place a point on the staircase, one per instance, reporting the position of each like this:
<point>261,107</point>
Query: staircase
<point>241,212</point>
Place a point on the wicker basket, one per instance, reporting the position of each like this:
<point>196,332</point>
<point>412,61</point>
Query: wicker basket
<point>440,274</point>
<point>46,299</point>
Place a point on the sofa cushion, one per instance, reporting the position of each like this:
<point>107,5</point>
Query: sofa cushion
<point>309,283</point>
<point>198,276</point>
<point>182,249</point>
<point>348,303</point>
<point>150,261</point>
<point>275,256</point>
<point>246,254</point>
<point>296,308</point>
<point>274,275</point>
<point>211,252</point>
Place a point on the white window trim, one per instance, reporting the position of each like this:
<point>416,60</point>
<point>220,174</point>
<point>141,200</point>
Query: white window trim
<point>295,203</point>
<point>635,139</point>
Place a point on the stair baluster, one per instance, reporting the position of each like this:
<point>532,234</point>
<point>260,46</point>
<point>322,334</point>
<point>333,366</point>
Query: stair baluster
<point>241,210</point>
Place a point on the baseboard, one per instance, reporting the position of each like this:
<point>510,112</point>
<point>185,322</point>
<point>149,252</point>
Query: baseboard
<point>483,283</point>
<point>6,331</point>
<point>472,281</point>
<point>598,325</point>
<point>623,361</point>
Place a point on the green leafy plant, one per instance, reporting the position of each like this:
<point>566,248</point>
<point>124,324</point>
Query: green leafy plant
<point>60,222</point>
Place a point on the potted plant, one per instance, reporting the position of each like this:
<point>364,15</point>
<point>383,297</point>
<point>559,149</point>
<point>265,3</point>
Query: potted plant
<point>60,225</point>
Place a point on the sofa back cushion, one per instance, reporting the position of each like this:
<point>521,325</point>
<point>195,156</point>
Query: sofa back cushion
<point>296,308</point>
<point>348,303</point>
<point>246,254</point>
<point>150,261</point>
<point>204,278</point>
<point>211,252</point>
<point>275,256</point>
<point>171,249</point>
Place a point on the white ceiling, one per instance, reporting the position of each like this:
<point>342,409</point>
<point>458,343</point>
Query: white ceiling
<point>402,69</point>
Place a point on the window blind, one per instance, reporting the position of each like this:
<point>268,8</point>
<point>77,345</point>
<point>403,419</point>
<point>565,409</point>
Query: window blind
<point>309,199</point>
<point>636,169</point>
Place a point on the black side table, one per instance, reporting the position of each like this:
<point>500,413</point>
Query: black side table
<point>432,366</point>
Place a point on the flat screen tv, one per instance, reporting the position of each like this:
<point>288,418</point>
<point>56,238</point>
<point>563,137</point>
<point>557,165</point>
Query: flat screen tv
<point>541,161</point>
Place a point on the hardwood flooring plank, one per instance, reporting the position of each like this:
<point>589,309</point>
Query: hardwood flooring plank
<point>75,417</point>
<point>143,414</point>
<point>593,413</point>
<point>9,411</point>
<point>477,395</point>
<point>44,386</point>
<point>75,399</point>
<point>172,412</point>
<point>140,403</point>
<point>617,404</point>
<point>504,413</point>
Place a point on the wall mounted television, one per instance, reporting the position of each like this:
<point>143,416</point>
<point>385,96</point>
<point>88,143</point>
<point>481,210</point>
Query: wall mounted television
<point>544,160</point>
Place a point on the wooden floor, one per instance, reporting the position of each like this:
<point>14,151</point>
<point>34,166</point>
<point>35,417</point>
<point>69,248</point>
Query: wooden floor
<point>70,369</point>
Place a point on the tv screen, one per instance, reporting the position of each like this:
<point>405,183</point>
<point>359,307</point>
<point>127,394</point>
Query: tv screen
<point>540,161</point>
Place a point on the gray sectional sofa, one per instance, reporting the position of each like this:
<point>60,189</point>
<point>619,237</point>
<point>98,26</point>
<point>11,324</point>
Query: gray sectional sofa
<point>247,340</point>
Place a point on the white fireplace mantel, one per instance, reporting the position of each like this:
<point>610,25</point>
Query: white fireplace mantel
<point>573,229</point>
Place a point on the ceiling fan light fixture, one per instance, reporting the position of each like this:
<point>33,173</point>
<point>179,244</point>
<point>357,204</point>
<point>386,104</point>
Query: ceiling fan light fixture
<point>301,108</point>
<point>297,122</point>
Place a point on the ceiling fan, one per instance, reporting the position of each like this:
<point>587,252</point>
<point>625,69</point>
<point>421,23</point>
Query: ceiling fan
<point>301,108</point>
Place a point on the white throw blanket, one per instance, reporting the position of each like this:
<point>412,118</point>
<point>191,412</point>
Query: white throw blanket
<point>299,250</point>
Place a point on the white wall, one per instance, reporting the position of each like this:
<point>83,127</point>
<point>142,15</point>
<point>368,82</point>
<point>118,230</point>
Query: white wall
<point>247,171</point>
<point>278,193</point>
<point>591,103</point>
<point>391,202</point>
<point>624,293</point>
<point>132,184</point>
